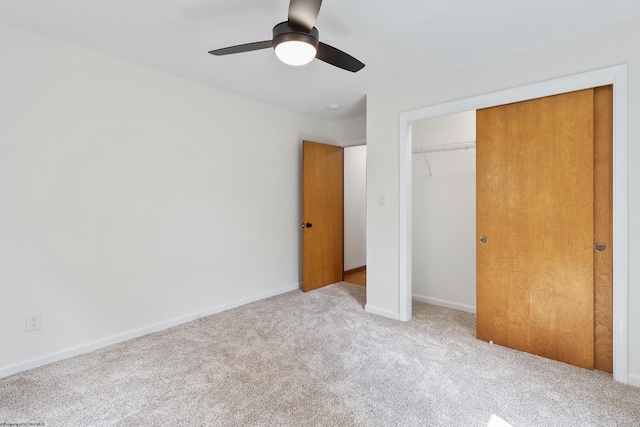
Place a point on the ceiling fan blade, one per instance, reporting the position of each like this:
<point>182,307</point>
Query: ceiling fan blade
<point>248,47</point>
<point>333,56</point>
<point>304,12</point>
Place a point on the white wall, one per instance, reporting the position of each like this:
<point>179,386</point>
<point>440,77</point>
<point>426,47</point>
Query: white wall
<point>355,206</point>
<point>349,131</point>
<point>604,48</point>
<point>444,213</point>
<point>130,197</point>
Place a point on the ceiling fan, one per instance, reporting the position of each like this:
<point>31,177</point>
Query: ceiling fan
<point>296,40</point>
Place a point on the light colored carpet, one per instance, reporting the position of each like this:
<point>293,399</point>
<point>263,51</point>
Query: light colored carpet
<point>316,359</point>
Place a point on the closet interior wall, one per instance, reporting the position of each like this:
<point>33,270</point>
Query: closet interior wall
<point>444,213</point>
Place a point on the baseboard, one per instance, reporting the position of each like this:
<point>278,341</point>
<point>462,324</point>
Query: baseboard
<point>634,380</point>
<point>381,312</point>
<point>444,303</point>
<point>96,345</point>
<point>355,270</point>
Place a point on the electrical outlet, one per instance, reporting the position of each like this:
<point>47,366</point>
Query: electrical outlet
<point>34,321</point>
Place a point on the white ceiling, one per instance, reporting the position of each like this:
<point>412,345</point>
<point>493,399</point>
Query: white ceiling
<point>398,40</point>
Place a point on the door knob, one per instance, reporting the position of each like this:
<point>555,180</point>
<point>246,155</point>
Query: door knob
<point>307,225</point>
<point>600,247</point>
<point>484,239</point>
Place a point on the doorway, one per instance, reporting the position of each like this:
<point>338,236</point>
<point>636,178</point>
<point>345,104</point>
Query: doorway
<point>616,76</point>
<point>334,214</point>
<point>355,213</point>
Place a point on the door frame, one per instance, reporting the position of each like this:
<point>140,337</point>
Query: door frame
<point>360,142</point>
<point>616,76</point>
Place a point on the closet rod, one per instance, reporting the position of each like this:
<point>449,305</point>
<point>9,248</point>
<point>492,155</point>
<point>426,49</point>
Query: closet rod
<point>445,147</point>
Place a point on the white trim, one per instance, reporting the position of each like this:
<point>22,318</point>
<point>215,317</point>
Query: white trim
<point>406,223</point>
<point>444,303</point>
<point>620,227</point>
<point>381,312</point>
<point>617,76</point>
<point>352,143</point>
<point>96,345</point>
<point>634,380</point>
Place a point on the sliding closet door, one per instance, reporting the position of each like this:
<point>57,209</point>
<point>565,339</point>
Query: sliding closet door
<point>535,212</point>
<point>603,227</point>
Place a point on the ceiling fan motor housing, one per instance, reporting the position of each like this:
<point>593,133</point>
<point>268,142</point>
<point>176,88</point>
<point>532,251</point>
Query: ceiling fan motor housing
<point>287,31</point>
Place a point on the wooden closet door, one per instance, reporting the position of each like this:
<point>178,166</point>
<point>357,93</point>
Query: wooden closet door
<point>603,227</point>
<point>534,200</point>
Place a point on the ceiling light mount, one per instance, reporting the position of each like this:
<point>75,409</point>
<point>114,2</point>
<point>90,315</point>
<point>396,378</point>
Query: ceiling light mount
<point>293,44</point>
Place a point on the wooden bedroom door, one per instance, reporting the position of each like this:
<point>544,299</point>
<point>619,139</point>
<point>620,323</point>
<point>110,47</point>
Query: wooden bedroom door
<point>323,215</point>
<point>535,223</point>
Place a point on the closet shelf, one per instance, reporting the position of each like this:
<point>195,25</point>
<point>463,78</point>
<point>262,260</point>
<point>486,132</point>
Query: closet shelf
<point>446,147</point>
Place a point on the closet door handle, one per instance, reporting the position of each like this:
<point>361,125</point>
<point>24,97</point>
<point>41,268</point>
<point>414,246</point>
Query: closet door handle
<point>484,239</point>
<point>307,225</point>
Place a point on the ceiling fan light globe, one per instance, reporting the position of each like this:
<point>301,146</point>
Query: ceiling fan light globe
<point>295,52</point>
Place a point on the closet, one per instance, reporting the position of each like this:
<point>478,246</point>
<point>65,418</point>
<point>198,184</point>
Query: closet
<point>443,203</point>
<point>518,225</point>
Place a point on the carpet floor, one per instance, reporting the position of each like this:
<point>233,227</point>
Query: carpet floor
<point>317,359</point>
